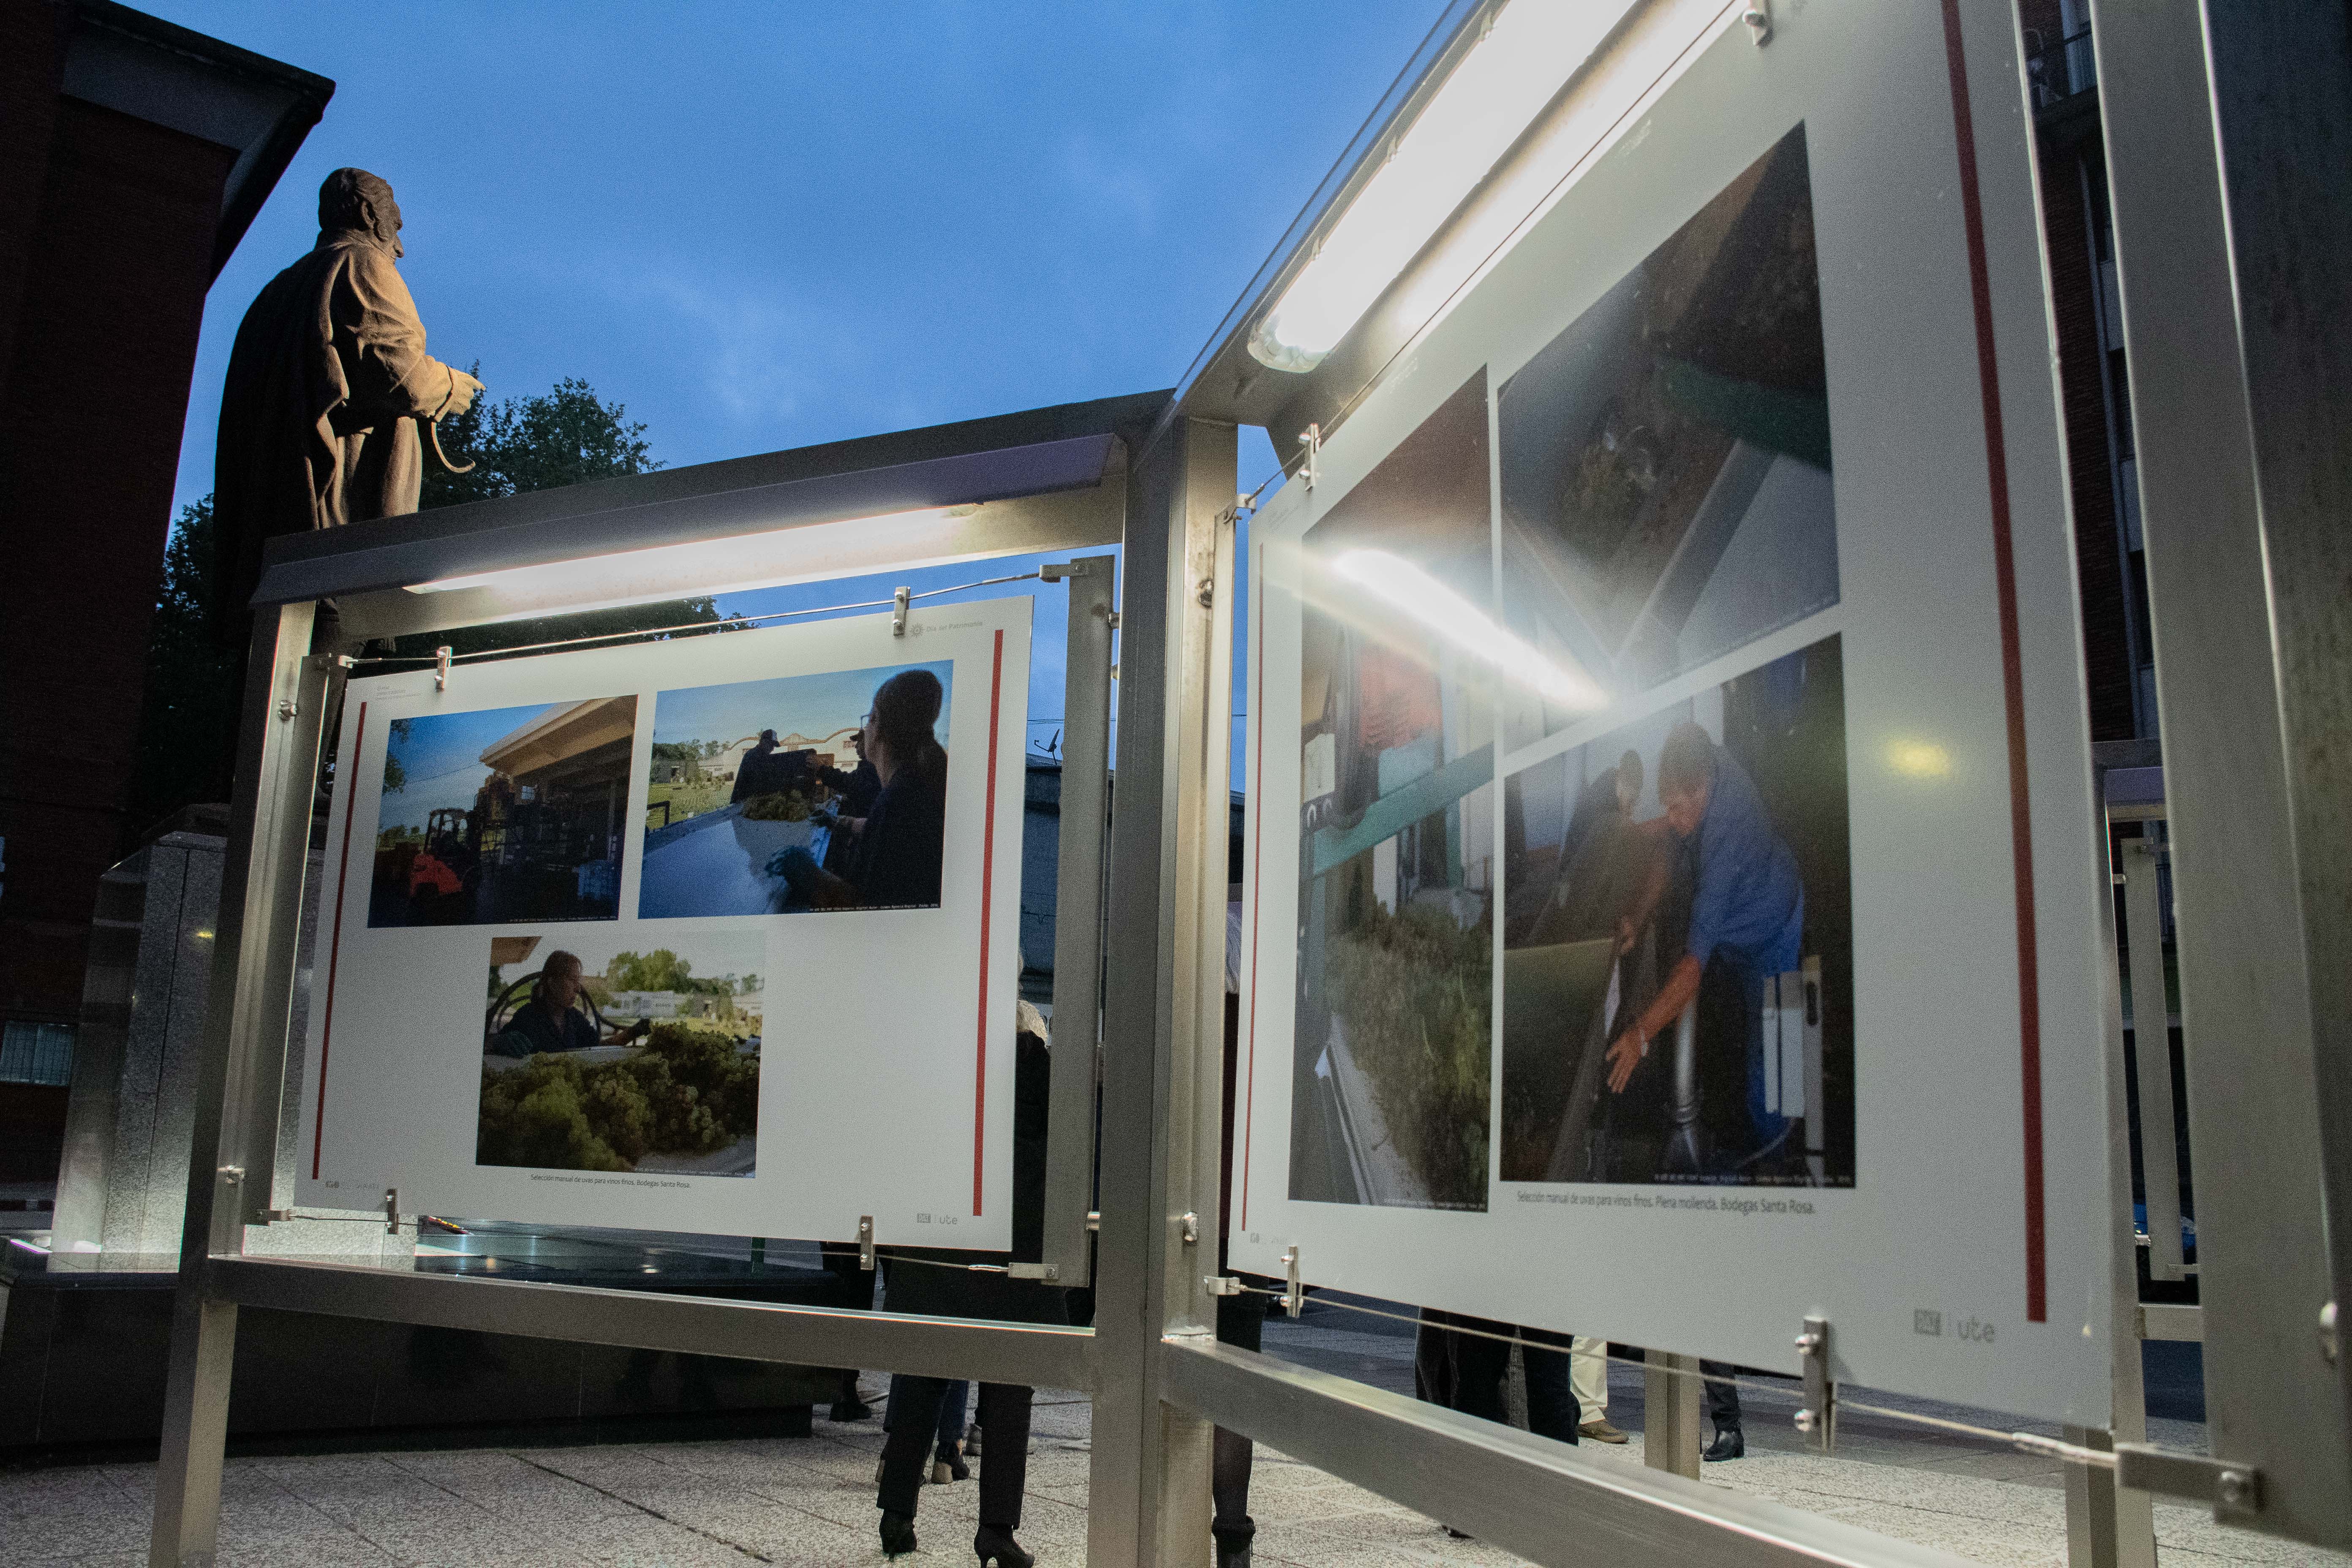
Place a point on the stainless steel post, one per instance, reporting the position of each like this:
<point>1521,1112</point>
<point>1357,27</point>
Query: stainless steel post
<point>1149,1495</point>
<point>1670,1413</point>
<point>1077,916</point>
<point>2233,211</point>
<point>236,1131</point>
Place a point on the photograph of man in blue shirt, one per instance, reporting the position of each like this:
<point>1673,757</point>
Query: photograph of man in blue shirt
<point>1748,907</point>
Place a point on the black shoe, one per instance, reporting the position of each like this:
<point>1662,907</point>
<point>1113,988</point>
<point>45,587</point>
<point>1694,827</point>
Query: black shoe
<point>947,1465</point>
<point>997,1549</point>
<point>1728,1445</point>
<point>852,1409</point>
<point>1232,1550</point>
<point>897,1534</point>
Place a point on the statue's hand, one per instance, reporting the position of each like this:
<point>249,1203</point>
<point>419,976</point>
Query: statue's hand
<point>463,390</point>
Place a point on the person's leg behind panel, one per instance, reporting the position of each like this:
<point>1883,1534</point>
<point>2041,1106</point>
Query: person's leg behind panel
<point>947,1460</point>
<point>1723,1409</point>
<point>1004,1473</point>
<point>915,1407</point>
<point>1553,1409</point>
<point>1241,1321</point>
<point>1589,1376</point>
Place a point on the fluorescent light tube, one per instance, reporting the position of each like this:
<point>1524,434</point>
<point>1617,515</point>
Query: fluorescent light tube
<point>675,570</point>
<point>1492,96</point>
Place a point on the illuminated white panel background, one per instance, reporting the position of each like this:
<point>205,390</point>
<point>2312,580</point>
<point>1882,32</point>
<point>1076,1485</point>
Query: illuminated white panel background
<point>1937,1219</point>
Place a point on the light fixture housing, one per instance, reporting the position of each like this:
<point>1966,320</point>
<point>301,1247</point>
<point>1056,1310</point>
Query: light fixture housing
<point>735,565</point>
<point>1528,51</point>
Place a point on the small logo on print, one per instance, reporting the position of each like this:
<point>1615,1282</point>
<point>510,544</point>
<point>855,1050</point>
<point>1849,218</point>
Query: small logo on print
<point>1928,1320</point>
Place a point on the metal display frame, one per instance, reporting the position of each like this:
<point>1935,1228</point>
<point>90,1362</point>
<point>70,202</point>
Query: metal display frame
<point>2240,361</point>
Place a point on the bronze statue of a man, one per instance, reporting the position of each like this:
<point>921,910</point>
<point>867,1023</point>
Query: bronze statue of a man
<point>327,383</point>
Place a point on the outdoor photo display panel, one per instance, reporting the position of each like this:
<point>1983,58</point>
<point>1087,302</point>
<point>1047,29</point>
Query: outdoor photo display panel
<point>1671,895</point>
<point>712,934</point>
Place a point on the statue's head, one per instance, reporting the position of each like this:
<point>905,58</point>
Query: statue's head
<point>354,198</point>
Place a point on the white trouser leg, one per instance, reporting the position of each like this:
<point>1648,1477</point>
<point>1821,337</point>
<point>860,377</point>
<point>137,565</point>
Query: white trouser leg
<point>1588,1373</point>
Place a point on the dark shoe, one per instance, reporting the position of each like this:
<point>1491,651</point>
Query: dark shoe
<point>1728,1445</point>
<point>851,1409</point>
<point>1457,1534</point>
<point>1233,1553</point>
<point>1598,1430</point>
<point>997,1549</point>
<point>897,1534</point>
<point>948,1466</point>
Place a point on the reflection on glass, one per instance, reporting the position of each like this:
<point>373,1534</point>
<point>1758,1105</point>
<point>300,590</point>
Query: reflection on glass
<point>1666,496</point>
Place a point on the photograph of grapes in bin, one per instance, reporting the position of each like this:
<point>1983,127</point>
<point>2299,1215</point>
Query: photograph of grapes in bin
<point>802,793</point>
<point>596,1057</point>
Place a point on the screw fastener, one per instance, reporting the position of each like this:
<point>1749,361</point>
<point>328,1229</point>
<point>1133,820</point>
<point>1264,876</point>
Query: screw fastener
<point>2238,1488</point>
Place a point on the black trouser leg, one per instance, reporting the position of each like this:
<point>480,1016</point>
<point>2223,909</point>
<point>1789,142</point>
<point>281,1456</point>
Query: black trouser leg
<point>1552,1408</point>
<point>853,1289</point>
<point>907,1451</point>
<point>1241,1320</point>
<point>1482,1370</point>
<point>1722,1394</point>
<point>1004,1458</point>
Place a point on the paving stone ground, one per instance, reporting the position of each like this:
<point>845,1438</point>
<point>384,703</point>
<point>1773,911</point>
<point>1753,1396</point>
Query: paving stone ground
<point>728,1504</point>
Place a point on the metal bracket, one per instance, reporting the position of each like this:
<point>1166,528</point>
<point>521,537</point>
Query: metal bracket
<point>287,708</point>
<point>1207,593</point>
<point>1817,1419</point>
<point>1221,1285</point>
<point>231,1175</point>
<point>1048,1272</point>
<point>272,1216</point>
<point>392,1211</point>
<point>1312,439</point>
<point>441,657</point>
<point>2234,1489</point>
<point>1094,1219</point>
<point>332,661</point>
<point>898,597</point>
<point>1294,1295</point>
<point>1758,17</point>
<point>866,1242</point>
<point>1191,1229</point>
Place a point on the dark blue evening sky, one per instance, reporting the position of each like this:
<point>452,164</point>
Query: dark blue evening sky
<point>762,225</point>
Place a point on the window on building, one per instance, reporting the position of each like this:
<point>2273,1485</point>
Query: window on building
<point>37,1053</point>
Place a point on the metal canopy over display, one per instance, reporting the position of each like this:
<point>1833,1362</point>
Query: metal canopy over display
<point>1157,475</point>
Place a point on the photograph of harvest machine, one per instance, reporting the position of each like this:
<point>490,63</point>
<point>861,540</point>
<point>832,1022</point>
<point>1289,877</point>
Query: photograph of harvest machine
<point>504,814</point>
<point>1389,1100</point>
<point>1666,491</point>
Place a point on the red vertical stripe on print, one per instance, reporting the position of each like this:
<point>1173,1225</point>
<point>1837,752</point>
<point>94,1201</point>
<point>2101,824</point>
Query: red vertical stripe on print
<point>1257,891</point>
<point>987,897</point>
<point>2029,997</point>
<point>334,951</point>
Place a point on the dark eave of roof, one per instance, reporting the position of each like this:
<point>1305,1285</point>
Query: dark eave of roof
<point>143,66</point>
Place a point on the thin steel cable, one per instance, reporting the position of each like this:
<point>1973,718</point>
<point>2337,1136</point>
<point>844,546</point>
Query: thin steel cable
<point>732,623</point>
<point>2025,1442</point>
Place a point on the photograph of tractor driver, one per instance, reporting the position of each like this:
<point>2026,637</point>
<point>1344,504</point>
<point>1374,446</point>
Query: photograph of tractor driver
<point>1677,946</point>
<point>552,1019</point>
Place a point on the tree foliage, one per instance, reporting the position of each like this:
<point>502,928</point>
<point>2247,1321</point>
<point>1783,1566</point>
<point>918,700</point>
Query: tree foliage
<point>189,700</point>
<point>567,437</point>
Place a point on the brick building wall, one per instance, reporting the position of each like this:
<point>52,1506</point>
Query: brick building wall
<point>108,224</point>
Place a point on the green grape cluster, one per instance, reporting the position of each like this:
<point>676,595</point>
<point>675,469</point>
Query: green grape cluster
<point>684,1091</point>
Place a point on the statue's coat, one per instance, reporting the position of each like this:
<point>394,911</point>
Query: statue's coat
<point>318,418</point>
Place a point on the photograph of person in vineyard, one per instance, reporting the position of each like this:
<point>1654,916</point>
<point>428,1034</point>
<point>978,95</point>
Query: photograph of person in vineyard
<point>623,1060</point>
